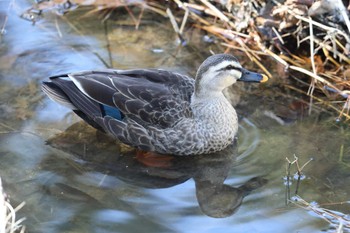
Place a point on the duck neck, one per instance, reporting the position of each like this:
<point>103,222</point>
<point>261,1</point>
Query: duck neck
<point>206,106</point>
<point>207,94</point>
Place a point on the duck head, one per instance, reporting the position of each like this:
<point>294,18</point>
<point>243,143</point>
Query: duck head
<point>220,71</point>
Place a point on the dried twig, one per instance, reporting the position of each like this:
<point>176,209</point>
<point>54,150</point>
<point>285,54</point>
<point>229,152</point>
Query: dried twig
<point>333,217</point>
<point>227,26</point>
<point>8,222</point>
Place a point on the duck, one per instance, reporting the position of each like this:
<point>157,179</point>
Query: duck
<point>155,109</point>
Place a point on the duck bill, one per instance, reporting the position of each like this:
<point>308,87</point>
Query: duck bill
<point>248,76</point>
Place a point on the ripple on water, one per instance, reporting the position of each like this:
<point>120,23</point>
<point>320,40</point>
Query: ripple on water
<point>249,138</point>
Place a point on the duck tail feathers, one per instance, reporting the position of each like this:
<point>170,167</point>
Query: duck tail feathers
<point>63,91</point>
<point>56,94</point>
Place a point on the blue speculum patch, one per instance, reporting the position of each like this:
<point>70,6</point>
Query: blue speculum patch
<point>112,112</point>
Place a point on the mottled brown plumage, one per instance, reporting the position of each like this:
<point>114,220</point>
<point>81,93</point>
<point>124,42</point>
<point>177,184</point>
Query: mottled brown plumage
<point>157,110</point>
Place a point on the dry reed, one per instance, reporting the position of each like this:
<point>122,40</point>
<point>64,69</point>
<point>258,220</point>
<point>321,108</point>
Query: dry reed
<point>240,25</point>
<point>8,222</point>
<point>337,220</point>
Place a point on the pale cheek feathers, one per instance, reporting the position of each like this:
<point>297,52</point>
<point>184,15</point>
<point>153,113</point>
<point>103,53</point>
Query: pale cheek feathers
<point>219,82</point>
<point>226,81</point>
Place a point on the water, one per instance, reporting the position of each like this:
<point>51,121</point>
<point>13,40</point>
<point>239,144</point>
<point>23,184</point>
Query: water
<point>74,179</point>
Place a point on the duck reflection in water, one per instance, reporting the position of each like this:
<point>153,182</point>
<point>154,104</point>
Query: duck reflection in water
<point>148,170</point>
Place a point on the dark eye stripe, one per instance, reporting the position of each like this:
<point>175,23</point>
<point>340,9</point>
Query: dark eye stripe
<point>231,67</point>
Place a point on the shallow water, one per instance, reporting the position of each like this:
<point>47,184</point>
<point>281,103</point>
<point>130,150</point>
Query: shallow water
<point>74,179</point>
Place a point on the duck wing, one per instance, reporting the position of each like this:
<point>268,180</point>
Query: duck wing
<point>148,96</point>
<point>134,106</point>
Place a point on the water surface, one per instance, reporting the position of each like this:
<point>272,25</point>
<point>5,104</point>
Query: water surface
<point>74,179</point>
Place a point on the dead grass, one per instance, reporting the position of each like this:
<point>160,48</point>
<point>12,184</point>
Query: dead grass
<point>8,221</point>
<point>305,39</point>
<point>339,222</point>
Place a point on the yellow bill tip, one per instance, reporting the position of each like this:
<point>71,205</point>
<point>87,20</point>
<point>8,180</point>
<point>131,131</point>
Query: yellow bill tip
<point>264,78</point>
